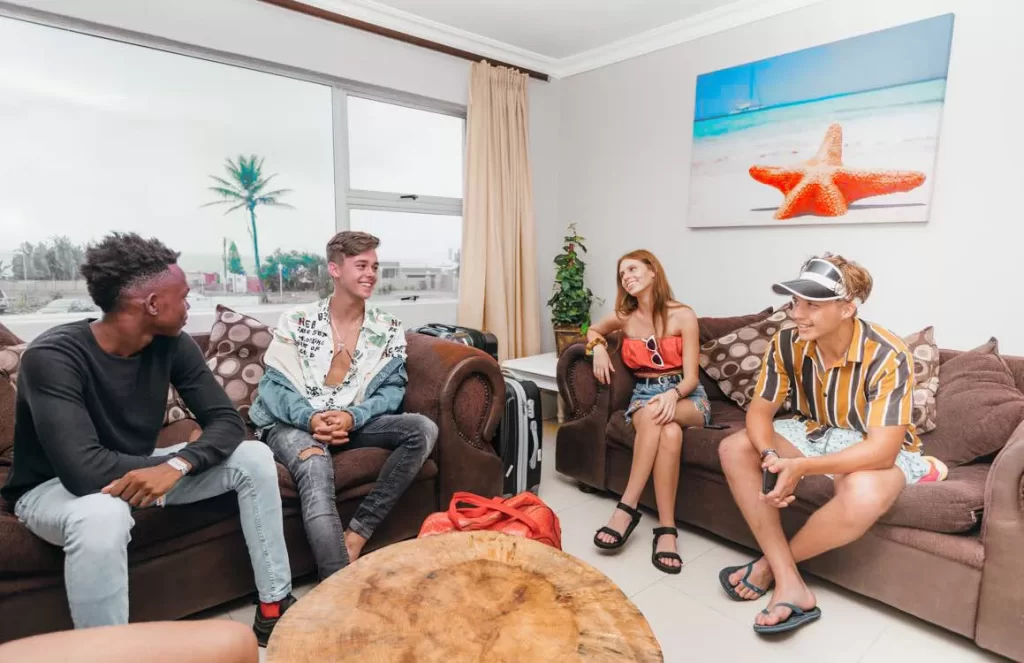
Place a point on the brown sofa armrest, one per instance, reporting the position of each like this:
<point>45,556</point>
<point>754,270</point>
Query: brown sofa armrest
<point>581,448</point>
<point>462,390</point>
<point>1001,603</point>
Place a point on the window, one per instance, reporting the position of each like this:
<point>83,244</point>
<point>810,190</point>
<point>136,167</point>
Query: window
<point>101,135</point>
<point>405,187</point>
<point>104,135</point>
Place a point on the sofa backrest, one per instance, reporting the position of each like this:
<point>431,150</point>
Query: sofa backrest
<point>1016,365</point>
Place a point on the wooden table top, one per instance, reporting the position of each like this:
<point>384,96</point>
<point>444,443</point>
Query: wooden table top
<point>465,596</point>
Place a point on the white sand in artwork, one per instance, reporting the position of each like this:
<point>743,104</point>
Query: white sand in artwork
<point>722,192</point>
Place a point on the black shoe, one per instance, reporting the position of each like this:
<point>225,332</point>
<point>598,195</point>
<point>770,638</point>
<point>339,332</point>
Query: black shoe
<point>264,626</point>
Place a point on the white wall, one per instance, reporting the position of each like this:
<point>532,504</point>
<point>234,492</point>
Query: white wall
<point>257,30</point>
<point>624,176</point>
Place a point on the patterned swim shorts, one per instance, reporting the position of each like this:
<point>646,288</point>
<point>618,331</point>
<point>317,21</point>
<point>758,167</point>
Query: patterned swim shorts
<point>915,467</point>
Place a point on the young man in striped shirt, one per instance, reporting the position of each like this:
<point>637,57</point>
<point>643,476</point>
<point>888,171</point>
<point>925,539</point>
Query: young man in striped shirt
<point>849,384</point>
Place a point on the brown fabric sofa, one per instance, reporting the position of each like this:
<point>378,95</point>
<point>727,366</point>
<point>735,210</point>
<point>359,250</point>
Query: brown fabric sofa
<point>185,559</point>
<point>933,555</point>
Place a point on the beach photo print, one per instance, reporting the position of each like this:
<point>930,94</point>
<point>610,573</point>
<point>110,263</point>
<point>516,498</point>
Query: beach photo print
<point>846,132</point>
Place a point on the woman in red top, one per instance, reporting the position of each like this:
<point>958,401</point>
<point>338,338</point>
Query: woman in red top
<point>661,347</point>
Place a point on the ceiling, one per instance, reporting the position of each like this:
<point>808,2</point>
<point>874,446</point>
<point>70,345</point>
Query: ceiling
<point>560,37</point>
<point>556,28</point>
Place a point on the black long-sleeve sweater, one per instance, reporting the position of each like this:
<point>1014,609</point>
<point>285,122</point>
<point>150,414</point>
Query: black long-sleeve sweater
<point>89,417</point>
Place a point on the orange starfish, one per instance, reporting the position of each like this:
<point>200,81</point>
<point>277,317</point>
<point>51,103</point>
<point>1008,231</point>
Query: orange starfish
<point>823,186</point>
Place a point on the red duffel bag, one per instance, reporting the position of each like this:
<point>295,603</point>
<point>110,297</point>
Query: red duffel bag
<point>523,515</point>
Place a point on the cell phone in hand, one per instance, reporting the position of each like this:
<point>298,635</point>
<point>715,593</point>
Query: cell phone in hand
<point>768,479</point>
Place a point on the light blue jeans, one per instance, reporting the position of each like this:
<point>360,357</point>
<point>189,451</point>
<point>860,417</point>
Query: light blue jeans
<point>95,530</point>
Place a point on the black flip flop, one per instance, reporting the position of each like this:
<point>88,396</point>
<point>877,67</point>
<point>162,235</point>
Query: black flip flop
<point>797,618</point>
<point>620,538</point>
<point>723,578</point>
<point>656,556</point>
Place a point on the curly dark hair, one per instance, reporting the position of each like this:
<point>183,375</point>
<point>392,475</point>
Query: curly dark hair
<point>121,261</point>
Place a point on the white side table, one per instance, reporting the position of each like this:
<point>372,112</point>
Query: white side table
<point>539,369</point>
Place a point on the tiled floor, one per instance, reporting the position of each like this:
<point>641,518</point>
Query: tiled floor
<point>692,618</point>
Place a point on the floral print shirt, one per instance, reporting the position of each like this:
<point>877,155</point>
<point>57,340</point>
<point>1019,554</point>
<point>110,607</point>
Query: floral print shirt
<point>308,328</point>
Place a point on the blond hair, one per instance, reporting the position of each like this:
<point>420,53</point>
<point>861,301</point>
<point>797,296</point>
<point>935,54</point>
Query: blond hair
<point>856,279</point>
<point>350,243</point>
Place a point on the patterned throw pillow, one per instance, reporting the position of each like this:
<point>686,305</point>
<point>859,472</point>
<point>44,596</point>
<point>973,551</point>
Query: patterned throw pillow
<point>925,352</point>
<point>734,360</point>
<point>176,408</point>
<point>10,361</point>
<point>235,355</point>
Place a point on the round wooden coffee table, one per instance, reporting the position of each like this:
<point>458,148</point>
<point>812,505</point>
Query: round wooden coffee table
<point>468,596</point>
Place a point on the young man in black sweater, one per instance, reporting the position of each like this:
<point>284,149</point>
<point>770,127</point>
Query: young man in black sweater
<point>90,404</point>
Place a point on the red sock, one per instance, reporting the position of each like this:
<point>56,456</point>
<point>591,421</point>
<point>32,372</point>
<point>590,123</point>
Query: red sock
<point>270,610</point>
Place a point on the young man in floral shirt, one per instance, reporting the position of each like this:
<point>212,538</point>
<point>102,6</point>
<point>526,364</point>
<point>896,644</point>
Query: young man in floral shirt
<point>335,381</point>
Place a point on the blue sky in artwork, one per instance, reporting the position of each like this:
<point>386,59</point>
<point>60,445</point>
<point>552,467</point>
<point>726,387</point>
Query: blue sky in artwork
<point>897,56</point>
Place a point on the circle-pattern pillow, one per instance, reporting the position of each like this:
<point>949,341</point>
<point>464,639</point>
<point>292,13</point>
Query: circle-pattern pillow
<point>176,408</point>
<point>925,352</point>
<point>235,356</point>
<point>735,360</point>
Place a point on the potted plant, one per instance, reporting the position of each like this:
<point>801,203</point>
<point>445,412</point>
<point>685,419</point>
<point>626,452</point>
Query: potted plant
<point>570,304</point>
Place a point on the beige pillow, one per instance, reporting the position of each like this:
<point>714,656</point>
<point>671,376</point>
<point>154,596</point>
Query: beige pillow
<point>926,377</point>
<point>735,360</point>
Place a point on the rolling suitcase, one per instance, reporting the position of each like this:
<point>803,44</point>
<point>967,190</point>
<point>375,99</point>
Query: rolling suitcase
<point>520,435</point>
<point>471,337</point>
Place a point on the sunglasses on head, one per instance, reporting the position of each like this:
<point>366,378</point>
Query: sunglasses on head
<point>652,346</point>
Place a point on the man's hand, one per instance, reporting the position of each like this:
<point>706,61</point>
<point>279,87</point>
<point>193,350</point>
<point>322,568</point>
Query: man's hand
<point>790,472</point>
<point>331,427</point>
<point>141,488</point>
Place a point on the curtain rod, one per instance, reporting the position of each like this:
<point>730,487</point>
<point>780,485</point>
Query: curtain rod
<point>341,19</point>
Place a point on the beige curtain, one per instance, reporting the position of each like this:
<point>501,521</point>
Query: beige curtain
<point>498,275</point>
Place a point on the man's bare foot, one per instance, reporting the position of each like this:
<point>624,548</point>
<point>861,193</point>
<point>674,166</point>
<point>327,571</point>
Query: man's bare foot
<point>793,592</point>
<point>667,543</point>
<point>760,576</point>
<point>619,522</point>
<point>354,544</point>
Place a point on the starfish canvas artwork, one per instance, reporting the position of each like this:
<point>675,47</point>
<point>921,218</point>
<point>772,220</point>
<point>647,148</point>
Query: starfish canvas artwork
<point>846,132</point>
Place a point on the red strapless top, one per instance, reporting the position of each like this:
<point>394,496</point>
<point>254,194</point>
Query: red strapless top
<point>638,357</point>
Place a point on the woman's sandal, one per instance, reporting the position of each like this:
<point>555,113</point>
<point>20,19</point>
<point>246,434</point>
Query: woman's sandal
<point>619,538</point>
<point>656,556</point>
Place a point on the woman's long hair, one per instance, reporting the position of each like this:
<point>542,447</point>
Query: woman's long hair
<point>626,304</point>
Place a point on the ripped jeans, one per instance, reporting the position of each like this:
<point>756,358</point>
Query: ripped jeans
<point>409,437</point>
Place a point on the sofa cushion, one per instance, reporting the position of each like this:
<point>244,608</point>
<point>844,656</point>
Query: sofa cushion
<point>235,355</point>
<point>735,360</point>
<point>951,506</point>
<point>700,445</point>
<point>159,532</point>
<point>978,407</point>
<point>925,352</point>
<point>712,328</point>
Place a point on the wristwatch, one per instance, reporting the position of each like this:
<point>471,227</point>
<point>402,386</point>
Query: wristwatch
<point>179,465</point>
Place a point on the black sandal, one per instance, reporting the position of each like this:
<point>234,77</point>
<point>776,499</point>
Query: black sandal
<point>620,538</point>
<point>656,556</point>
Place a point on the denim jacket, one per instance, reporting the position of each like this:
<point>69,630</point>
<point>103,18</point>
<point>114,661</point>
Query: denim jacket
<point>278,401</point>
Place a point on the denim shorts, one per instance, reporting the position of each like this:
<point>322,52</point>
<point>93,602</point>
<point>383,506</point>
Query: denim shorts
<point>648,388</point>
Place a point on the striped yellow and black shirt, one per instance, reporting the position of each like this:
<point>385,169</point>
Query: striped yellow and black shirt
<point>871,386</point>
